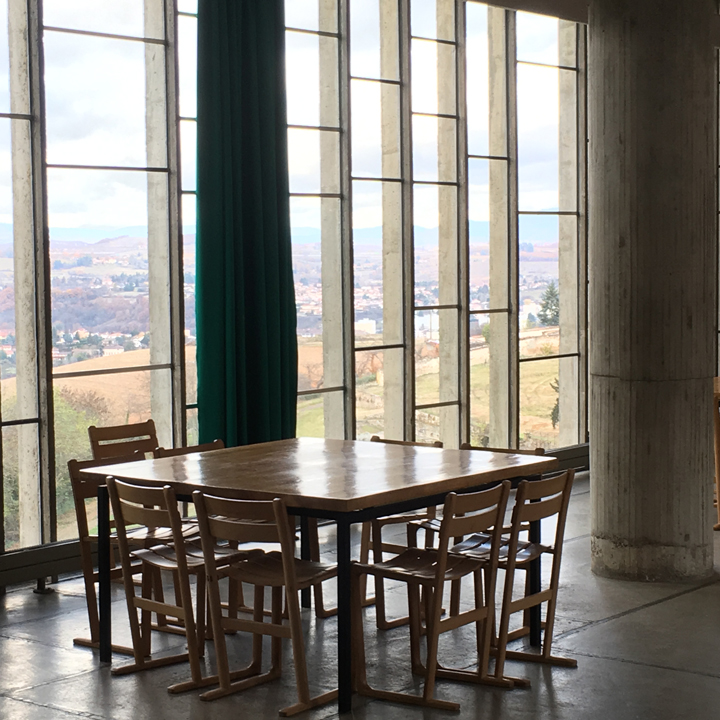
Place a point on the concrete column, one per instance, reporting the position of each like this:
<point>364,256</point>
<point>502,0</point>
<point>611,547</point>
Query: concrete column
<point>653,286</point>
<point>392,248</point>
<point>569,430</point>
<point>331,247</point>
<point>30,519</point>
<point>499,391</point>
<point>158,224</point>
<point>448,260</point>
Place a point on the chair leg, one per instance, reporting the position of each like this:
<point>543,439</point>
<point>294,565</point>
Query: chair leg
<point>314,541</point>
<point>364,559</point>
<point>305,702</point>
<point>380,615</point>
<point>415,628</point>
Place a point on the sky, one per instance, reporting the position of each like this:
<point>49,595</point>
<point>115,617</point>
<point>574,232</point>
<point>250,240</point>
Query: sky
<point>95,94</point>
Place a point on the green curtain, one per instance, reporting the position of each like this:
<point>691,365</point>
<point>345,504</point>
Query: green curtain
<point>245,299</point>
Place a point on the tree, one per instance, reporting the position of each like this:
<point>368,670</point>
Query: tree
<point>550,306</point>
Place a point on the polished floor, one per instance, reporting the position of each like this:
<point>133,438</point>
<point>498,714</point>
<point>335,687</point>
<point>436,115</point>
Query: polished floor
<point>643,651</point>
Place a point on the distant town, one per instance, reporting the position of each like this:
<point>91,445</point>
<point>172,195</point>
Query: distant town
<point>100,293</point>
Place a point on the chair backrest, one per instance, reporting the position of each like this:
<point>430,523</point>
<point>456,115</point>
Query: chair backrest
<point>122,440</point>
<point>244,521</point>
<point>87,488</point>
<point>476,512</point>
<point>239,521</point>
<point>153,507</point>
<point>512,451</point>
<point>376,438</point>
<point>162,452</point>
<point>542,499</point>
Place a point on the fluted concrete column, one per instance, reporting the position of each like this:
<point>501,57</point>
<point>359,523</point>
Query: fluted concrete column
<point>652,286</point>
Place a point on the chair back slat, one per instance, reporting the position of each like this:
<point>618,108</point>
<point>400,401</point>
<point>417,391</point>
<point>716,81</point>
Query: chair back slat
<point>530,512</point>
<point>477,523</point>
<point>507,451</point>
<point>409,443</point>
<point>151,517</point>
<point>121,440</point>
<point>162,452</point>
<point>141,494</point>
<point>538,489</point>
<point>486,510</point>
<point>240,531</point>
<point>248,510</point>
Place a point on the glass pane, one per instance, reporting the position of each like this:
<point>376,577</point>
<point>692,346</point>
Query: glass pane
<point>313,160</point>
<point>434,149</point>
<point>489,375</point>
<point>478,83</point>
<point>431,60</point>
<point>377,255</point>
<point>539,314</point>
<point>189,231</point>
<point>189,6</point>
<point>479,233</point>
<point>374,40</point>
<point>187,62</point>
<point>4,59</point>
<point>191,377</point>
<point>537,38</point>
<point>317,415</point>
<point>426,231</point>
<point>430,335</point>
<point>375,129</point>
<point>315,226</point>
<point>539,404</point>
<point>436,247</point>
<point>21,491</point>
<point>311,15</point>
<point>191,425</point>
<point>311,69</point>
<point>379,379</point>
<point>99,118</point>
<point>18,342</point>
<point>108,16</point>
<point>188,154</point>
<point>538,138</point>
<point>99,260</point>
<point>433,19</point>
<point>427,425</point>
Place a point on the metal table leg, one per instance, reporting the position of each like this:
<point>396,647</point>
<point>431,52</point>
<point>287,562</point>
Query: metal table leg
<point>104,574</point>
<point>534,582</point>
<point>343,617</point>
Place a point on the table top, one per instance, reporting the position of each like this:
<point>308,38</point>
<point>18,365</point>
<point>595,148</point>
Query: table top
<point>332,475</point>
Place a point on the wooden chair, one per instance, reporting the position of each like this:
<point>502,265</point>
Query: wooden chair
<point>157,508</point>
<point>161,452</point>
<point>243,521</point>
<point>431,569</point>
<point>535,500</point>
<point>84,490</point>
<point>371,540</point>
<point>432,525</point>
<point>122,440</point>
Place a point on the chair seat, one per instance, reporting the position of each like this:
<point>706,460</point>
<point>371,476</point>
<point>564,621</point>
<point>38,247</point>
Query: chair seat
<point>165,557</point>
<point>267,570</point>
<point>147,536</point>
<point>419,565</point>
<point>477,546</point>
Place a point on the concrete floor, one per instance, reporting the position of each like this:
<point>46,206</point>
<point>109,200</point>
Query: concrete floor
<point>643,651</point>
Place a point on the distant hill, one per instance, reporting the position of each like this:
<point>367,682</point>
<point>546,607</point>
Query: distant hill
<point>91,235</point>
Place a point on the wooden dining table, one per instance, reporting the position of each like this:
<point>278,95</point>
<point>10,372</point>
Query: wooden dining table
<point>341,480</point>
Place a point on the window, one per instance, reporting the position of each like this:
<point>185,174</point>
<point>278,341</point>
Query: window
<point>437,176</point>
<point>90,246</point>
